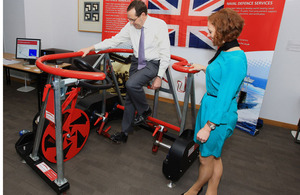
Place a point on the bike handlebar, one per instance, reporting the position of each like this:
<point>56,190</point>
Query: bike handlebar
<point>180,66</point>
<point>65,72</point>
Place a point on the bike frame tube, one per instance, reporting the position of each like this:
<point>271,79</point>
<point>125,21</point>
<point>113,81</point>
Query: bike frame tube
<point>189,91</point>
<point>60,180</point>
<point>155,120</point>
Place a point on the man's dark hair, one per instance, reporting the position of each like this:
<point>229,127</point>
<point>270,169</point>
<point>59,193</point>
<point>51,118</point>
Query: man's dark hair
<point>139,7</point>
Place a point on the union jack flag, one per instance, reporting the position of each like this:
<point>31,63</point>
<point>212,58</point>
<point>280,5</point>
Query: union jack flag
<point>186,19</point>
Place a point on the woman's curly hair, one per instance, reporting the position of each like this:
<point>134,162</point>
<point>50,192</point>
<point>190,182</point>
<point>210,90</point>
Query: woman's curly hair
<point>229,25</point>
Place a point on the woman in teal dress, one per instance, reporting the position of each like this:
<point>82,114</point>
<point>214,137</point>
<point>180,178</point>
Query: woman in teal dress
<point>217,115</point>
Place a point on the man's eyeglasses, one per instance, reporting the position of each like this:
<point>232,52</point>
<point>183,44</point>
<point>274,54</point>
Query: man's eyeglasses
<point>133,20</point>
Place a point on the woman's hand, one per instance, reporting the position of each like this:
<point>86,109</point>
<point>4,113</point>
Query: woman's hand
<point>203,134</point>
<point>197,67</point>
<point>87,50</point>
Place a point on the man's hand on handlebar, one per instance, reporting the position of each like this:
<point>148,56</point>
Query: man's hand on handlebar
<point>87,50</point>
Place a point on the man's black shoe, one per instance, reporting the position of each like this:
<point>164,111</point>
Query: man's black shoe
<point>119,137</point>
<point>141,119</point>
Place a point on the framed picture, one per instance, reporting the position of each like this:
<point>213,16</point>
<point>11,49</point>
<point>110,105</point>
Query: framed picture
<point>90,14</point>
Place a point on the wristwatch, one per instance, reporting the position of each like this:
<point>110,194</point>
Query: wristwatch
<point>211,125</point>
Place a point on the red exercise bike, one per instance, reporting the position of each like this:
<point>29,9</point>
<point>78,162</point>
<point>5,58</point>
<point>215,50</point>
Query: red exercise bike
<point>76,124</point>
<point>69,126</point>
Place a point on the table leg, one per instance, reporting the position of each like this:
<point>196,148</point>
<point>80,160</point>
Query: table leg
<point>7,76</point>
<point>39,89</point>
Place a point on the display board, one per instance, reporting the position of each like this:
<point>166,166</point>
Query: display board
<point>187,23</point>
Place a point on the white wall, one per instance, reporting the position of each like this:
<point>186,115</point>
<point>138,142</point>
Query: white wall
<point>13,24</point>
<point>13,27</point>
<point>55,22</point>
<point>282,97</point>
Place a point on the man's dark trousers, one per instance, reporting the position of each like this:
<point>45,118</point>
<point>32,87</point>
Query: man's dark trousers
<point>135,94</point>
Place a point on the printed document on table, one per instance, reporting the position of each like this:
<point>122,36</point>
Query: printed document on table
<point>8,62</point>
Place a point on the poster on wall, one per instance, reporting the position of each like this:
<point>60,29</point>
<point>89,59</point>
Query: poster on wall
<point>114,17</point>
<point>258,40</point>
<point>90,15</point>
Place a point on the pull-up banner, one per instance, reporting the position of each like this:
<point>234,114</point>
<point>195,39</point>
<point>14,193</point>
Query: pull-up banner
<point>187,23</point>
<point>262,22</point>
<point>258,40</point>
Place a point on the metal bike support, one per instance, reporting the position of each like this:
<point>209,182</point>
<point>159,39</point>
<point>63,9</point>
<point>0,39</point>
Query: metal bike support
<point>58,132</point>
<point>189,93</point>
<point>39,132</point>
<point>172,91</point>
<point>114,79</point>
<point>107,64</point>
<point>105,60</point>
<point>60,180</point>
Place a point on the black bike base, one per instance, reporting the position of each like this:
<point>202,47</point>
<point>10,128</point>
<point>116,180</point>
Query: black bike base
<point>24,148</point>
<point>182,154</point>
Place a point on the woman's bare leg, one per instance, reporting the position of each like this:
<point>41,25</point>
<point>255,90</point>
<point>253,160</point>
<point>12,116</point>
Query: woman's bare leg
<point>213,182</point>
<point>206,170</point>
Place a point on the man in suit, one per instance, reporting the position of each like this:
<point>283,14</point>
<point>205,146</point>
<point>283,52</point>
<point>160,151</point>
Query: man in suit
<point>151,48</point>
